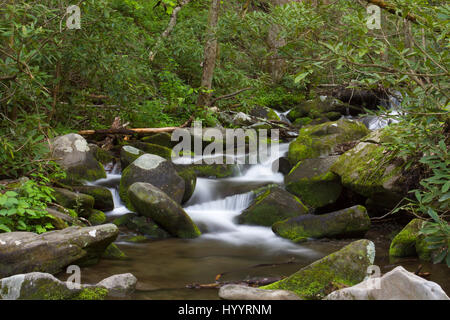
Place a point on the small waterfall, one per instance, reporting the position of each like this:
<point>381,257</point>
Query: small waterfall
<point>283,115</point>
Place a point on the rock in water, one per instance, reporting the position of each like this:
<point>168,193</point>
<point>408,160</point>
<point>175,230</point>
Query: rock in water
<point>312,181</point>
<point>190,181</point>
<point>103,197</point>
<point>153,169</point>
<point>347,266</point>
<point>271,205</point>
<point>398,284</point>
<point>151,202</point>
<point>238,292</point>
<point>75,157</point>
<point>128,154</point>
<point>348,222</point>
<point>119,285</point>
<point>318,140</point>
<point>82,203</point>
<point>22,252</point>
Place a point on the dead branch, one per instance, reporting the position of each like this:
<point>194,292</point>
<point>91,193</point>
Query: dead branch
<point>230,95</point>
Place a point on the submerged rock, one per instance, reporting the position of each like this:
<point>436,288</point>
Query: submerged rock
<point>398,284</point>
<point>349,222</point>
<point>271,205</point>
<point>144,225</point>
<point>313,182</point>
<point>73,154</point>
<point>239,292</point>
<point>153,169</point>
<point>318,140</point>
<point>347,266</point>
<point>151,202</point>
<point>52,251</point>
<point>112,252</point>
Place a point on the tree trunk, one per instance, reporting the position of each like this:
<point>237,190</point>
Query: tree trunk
<point>210,54</point>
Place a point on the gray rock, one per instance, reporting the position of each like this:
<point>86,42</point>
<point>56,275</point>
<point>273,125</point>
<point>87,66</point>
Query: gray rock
<point>81,203</point>
<point>119,285</point>
<point>73,154</point>
<point>151,202</point>
<point>128,154</point>
<point>239,292</point>
<point>398,284</point>
<point>52,251</point>
<point>156,170</point>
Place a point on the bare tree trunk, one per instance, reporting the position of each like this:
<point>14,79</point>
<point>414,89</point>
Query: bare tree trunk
<point>210,54</point>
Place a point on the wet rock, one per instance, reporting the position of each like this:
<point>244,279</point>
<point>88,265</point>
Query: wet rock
<point>347,266</point>
<point>119,285</point>
<point>52,251</point>
<point>112,252</point>
<point>83,204</point>
<point>151,202</point>
<point>369,170</point>
<point>349,222</point>
<point>313,182</point>
<point>151,148</point>
<point>102,196</point>
<point>75,157</point>
<point>242,119</point>
<point>283,164</point>
<point>97,217</point>
<point>318,140</point>
<point>265,113</point>
<point>155,170</point>
<point>239,292</point>
<point>61,220</point>
<point>398,284</point>
<point>144,225</point>
<point>272,204</point>
<point>214,170</point>
<point>102,156</point>
<point>162,139</point>
<point>128,154</point>
<point>319,107</point>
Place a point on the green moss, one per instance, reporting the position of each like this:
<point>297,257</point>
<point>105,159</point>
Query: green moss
<point>151,148</point>
<point>103,197</point>
<point>92,294</point>
<point>404,243</point>
<point>112,252</point>
<point>83,204</point>
<point>214,170</point>
<point>190,181</point>
<point>300,122</point>
<point>347,267</point>
<point>162,139</point>
<point>137,239</point>
<point>97,217</point>
<point>103,156</point>
<point>423,250</point>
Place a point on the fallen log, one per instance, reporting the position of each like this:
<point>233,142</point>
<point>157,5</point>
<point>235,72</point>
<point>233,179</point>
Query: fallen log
<point>125,131</point>
<point>257,282</point>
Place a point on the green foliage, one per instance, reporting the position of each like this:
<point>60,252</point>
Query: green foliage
<point>24,209</point>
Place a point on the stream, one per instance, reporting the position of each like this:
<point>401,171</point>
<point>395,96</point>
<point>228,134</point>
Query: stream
<point>165,267</point>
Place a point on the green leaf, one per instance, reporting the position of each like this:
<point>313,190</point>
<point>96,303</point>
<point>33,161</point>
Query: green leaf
<point>4,228</point>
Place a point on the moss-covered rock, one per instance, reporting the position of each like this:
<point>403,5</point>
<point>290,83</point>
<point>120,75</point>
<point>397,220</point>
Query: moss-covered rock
<point>319,107</point>
<point>102,196</point>
<point>190,181</point>
<point>102,156</point>
<point>83,204</point>
<point>155,170</point>
<point>151,202</point>
<point>143,225</point>
<point>91,293</point>
<point>75,156</point>
<point>318,140</point>
<point>112,252</point>
<point>347,266</point>
<point>128,154</point>
<point>265,113</point>
<point>350,222</point>
<point>371,171</point>
<point>313,183</point>
<point>97,217</point>
<point>404,243</point>
<point>273,204</point>
<point>214,170</point>
<point>151,148</point>
<point>162,139</point>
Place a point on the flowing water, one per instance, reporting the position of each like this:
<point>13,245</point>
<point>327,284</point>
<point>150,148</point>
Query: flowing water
<point>164,268</point>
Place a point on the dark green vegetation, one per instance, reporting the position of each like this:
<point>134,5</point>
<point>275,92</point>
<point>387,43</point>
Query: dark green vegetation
<point>54,81</point>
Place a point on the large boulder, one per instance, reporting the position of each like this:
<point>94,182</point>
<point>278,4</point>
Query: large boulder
<point>215,170</point>
<point>143,225</point>
<point>103,197</point>
<point>153,169</point>
<point>162,139</point>
<point>240,292</point>
<point>398,284</point>
<point>265,113</point>
<point>318,140</point>
<point>349,222</point>
<point>370,170</point>
<point>22,252</point>
<point>319,107</point>
<point>347,267</point>
<point>312,181</point>
<point>119,285</point>
<point>151,148</point>
<point>151,202</point>
<point>73,154</point>
<point>272,204</point>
